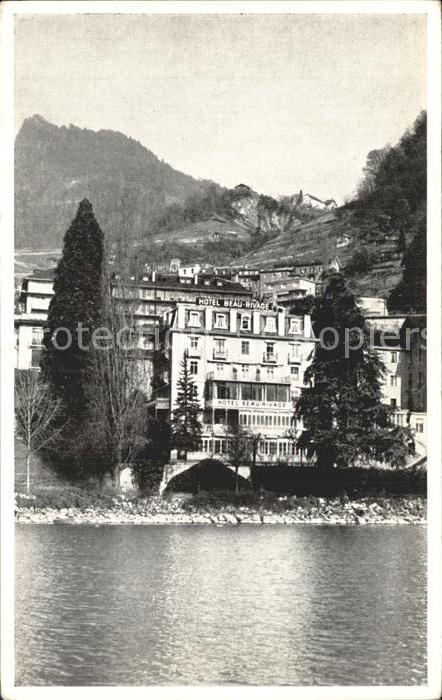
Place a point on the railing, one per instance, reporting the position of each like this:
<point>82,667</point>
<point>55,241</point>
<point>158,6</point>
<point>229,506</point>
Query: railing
<point>229,375</point>
<point>293,359</point>
<point>270,358</point>
<point>220,355</point>
<point>194,352</point>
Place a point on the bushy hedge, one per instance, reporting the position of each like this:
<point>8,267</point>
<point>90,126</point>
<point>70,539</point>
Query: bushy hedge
<point>305,481</point>
<point>74,497</point>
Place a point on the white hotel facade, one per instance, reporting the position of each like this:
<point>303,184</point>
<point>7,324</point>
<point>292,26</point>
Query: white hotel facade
<point>247,360</point>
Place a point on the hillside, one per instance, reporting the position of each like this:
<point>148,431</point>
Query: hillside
<point>154,213</point>
<point>56,167</point>
<point>372,234</point>
<point>140,201</point>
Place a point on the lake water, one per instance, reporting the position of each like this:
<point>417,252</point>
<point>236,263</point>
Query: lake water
<point>278,605</point>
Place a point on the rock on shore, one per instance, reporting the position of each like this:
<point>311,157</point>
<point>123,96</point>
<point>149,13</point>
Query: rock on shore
<point>289,511</point>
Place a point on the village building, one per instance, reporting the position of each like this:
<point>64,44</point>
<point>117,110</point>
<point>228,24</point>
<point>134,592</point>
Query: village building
<point>399,342</point>
<point>149,296</point>
<point>247,360</point>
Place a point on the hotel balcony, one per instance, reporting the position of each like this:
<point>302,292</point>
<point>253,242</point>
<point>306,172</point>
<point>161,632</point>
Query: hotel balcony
<point>294,359</point>
<point>221,355</point>
<point>270,358</point>
<point>228,374</point>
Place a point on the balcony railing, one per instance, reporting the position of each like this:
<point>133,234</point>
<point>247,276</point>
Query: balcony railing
<point>270,358</point>
<point>220,355</point>
<point>293,359</point>
<point>194,352</point>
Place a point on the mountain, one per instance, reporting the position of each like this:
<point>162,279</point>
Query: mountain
<point>56,167</point>
<point>138,199</point>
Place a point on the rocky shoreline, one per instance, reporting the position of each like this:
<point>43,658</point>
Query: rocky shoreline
<point>287,511</point>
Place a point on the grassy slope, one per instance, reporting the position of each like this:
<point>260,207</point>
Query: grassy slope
<point>317,240</point>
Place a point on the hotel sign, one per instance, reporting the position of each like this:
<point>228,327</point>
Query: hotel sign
<point>248,304</point>
<point>243,403</point>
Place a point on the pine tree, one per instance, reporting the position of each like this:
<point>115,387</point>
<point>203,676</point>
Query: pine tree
<point>77,299</point>
<point>341,408</point>
<point>185,425</point>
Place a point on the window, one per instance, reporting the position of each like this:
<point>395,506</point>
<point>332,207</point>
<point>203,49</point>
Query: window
<point>245,347</point>
<point>194,318</point>
<point>270,372</point>
<point>295,326</point>
<point>193,367</point>
<point>295,351</point>
<point>37,336</point>
<point>393,358</point>
<point>35,357</point>
<point>393,403</point>
<point>393,380</point>
<point>258,374</point>
<point>257,392</point>
<point>273,446</point>
<point>271,392</point>
<point>269,353</point>
<point>194,341</point>
<point>420,380</point>
<point>294,371</point>
<point>245,323</point>
<point>246,392</point>
<point>245,370</point>
<point>221,321</point>
<point>220,349</point>
<point>270,324</point>
<point>419,427</point>
<point>227,390</point>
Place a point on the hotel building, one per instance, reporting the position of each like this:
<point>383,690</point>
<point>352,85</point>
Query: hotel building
<point>247,361</point>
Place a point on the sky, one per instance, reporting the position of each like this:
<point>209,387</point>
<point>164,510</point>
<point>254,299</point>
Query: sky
<point>278,102</point>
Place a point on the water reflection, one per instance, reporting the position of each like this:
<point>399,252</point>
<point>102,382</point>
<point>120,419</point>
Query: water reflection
<point>298,605</point>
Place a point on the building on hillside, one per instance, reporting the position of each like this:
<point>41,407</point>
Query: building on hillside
<point>288,290</point>
<point>248,278</point>
<point>174,266</point>
<point>248,363</point>
<point>311,201</point>
<point>311,269</point>
<point>150,296</point>
<point>372,306</point>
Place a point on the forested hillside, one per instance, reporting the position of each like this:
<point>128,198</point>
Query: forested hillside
<point>56,167</point>
<point>379,236</point>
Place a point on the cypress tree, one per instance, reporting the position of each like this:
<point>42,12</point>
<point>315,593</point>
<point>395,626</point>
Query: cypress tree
<point>341,408</point>
<point>78,298</point>
<point>185,425</point>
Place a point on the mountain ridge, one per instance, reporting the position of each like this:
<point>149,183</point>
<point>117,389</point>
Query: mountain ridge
<point>134,194</point>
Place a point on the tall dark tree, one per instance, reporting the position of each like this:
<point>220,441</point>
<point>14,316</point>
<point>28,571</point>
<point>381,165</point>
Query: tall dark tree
<point>152,454</point>
<point>410,295</point>
<point>341,408</point>
<point>185,425</point>
<point>77,300</point>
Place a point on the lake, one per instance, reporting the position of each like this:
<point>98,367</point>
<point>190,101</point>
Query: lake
<point>199,604</point>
